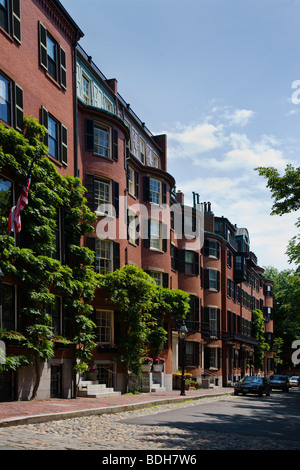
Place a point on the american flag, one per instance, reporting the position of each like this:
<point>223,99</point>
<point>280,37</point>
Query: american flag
<point>14,219</point>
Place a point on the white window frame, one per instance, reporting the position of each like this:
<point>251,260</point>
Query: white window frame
<point>213,279</point>
<point>86,89</point>
<point>131,181</point>
<point>103,204</point>
<point>142,150</point>
<point>105,322</point>
<point>213,358</point>
<point>104,264</point>
<point>155,194</point>
<point>156,236</point>
<point>132,232</point>
<point>157,276</point>
<point>102,148</point>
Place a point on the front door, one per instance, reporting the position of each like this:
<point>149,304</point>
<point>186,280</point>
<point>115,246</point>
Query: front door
<point>56,381</point>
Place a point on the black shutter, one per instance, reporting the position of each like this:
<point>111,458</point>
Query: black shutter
<point>146,188</point>
<point>218,250</point>
<point>196,263</point>
<point>89,135</point>
<point>164,237</point>
<point>90,195</point>
<point>197,354</point>
<point>136,184</point>
<point>219,321</point>
<point>206,358</point>
<point>63,68</point>
<point>146,232</point>
<point>197,309</point>
<point>44,116</point>
<point>164,193</point>
<point>116,197</point>
<point>16,20</point>
<point>218,281</point>
<point>64,144</point>
<point>205,249</point>
<point>206,278</point>
<point>116,255</point>
<point>115,153</point>
<point>165,280</point>
<point>180,260</point>
<point>43,46</point>
<point>19,113</point>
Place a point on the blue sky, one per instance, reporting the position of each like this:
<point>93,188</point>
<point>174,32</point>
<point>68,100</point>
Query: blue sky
<point>216,76</point>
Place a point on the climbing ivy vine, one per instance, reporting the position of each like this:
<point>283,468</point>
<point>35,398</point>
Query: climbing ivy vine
<point>31,261</point>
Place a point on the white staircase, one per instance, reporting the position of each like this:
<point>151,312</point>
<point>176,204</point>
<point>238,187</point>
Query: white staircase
<point>90,389</point>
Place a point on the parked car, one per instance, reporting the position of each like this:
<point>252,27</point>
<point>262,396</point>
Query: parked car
<point>279,382</point>
<point>253,384</point>
<point>294,381</point>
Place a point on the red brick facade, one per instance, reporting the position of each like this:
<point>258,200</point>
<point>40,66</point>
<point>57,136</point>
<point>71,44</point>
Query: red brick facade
<point>124,168</point>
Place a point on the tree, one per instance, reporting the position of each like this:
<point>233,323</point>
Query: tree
<point>258,333</point>
<point>32,261</point>
<point>285,192</point>
<point>141,306</point>
<point>286,305</point>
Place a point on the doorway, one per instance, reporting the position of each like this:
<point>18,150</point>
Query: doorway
<point>56,381</point>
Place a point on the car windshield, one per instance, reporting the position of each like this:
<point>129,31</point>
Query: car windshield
<point>277,377</point>
<point>295,378</point>
<point>252,380</point>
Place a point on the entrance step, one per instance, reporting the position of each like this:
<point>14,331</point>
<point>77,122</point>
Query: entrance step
<point>95,390</point>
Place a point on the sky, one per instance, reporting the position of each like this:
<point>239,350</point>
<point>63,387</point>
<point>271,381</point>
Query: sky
<point>222,79</point>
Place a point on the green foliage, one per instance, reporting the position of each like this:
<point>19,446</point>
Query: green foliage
<point>32,263</point>
<point>285,192</point>
<point>142,306</point>
<point>258,333</point>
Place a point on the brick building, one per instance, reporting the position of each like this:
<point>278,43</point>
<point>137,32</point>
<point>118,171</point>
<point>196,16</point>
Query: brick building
<point>94,133</point>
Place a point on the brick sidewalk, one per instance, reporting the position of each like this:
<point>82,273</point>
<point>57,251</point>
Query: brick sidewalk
<point>25,412</point>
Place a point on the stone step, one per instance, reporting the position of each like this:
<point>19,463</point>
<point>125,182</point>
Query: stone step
<point>108,392</point>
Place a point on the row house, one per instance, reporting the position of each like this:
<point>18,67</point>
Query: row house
<point>93,133</point>
<point>38,52</point>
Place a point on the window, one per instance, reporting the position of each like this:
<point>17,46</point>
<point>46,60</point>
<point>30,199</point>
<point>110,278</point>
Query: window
<point>133,227</point>
<point>211,248</point>
<point>155,235</point>
<point>10,18</point>
<point>155,161</point>
<point>52,57</point>
<point>5,100</point>
<point>212,279</point>
<point>213,358</point>
<point>101,140</point>
<point>157,276</point>
<point>11,103</point>
<point>54,312</point>
<point>142,151</point>
<point>104,322</point>
<point>6,196</point>
<point>108,105</point>
<point>53,137</point>
<point>7,319</point>
<point>56,138</point>
<point>189,262</point>
<point>213,321</point>
<point>155,191</point>
<point>86,87</point>
<point>229,258</point>
<point>103,196</point>
<point>104,256</point>
<point>131,181</point>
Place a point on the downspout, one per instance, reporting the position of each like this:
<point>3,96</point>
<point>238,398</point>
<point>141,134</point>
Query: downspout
<point>76,169</point>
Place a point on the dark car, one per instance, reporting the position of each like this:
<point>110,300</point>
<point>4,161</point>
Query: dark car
<point>279,382</point>
<point>255,385</point>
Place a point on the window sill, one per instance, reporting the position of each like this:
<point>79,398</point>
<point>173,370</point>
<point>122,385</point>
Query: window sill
<point>156,250</point>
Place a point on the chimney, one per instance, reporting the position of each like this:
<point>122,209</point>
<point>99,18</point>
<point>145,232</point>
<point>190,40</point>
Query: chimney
<point>113,84</point>
<point>180,197</point>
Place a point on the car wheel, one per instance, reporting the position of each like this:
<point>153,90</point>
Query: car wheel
<point>236,393</point>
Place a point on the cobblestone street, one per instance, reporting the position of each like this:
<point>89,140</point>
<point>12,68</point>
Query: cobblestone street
<point>109,432</point>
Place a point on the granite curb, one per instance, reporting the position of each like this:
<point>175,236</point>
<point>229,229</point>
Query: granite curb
<point>102,408</point>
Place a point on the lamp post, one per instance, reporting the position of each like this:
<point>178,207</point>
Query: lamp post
<point>182,336</point>
<point>1,277</point>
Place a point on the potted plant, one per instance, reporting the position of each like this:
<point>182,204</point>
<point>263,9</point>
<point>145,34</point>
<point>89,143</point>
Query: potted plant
<point>158,364</point>
<point>91,374</point>
<point>146,363</point>
<point>187,384</point>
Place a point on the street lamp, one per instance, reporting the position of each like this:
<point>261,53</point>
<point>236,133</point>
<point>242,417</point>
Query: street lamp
<point>1,277</point>
<point>183,331</point>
